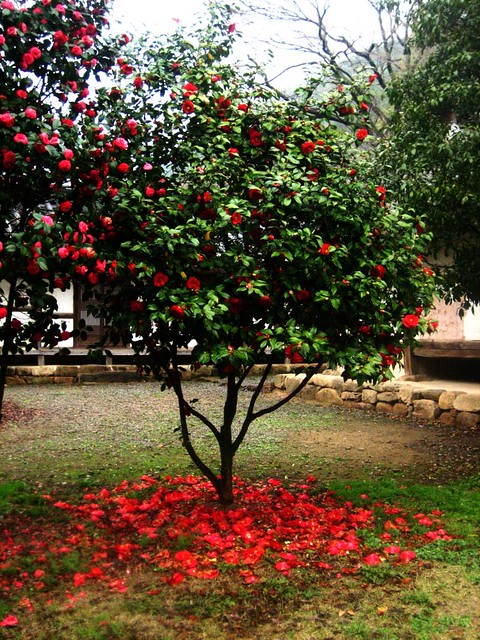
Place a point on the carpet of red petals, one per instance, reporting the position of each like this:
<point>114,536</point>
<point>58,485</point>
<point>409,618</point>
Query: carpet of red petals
<point>176,526</point>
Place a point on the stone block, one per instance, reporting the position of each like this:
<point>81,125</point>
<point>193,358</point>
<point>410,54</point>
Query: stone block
<point>432,394</point>
<point>384,387</point>
<point>349,404</point>
<point>108,376</point>
<point>328,397</point>
<point>369,396</point>
<point>351,396</point>
<point>279,380</point>
<point>21,371</point>
<point>204,372</point>
<point>425,410</point>
<point>66,370</point>
<point>417,394</point>
<point>467,419</point>
<point>446,399</point>
<point>63,379</point>
<point>43,371</point>
<point>293,381</point>
<point>365,406</point>
<point>384,407</point>
<point>405,394</point>
<point>96,368</point>
<point>352,385</point>
<point>469,402</point>
<point>387,396</point>
<point>327,381</point>
<point>401,409</point>
<point>448,418</point>
<point>309,392</point>
<point>37,380</point>
<point>14,381</point>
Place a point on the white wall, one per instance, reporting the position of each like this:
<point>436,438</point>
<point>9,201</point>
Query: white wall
<point>471,323</point>
<point>65,305</point>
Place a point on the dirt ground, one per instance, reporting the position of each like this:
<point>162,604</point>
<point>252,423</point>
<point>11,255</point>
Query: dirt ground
<point>424,452</point>
<point>363,442</point>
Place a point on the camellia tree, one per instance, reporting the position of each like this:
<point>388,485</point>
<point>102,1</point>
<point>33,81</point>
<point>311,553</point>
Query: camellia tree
<point>230,219</point>
<point>49,52</point>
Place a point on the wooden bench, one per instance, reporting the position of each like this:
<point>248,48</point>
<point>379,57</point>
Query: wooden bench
<point>444,358</point>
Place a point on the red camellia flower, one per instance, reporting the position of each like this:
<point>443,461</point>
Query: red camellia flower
<point>123,168</point>
<point>9,621</point>
<point>302,295</point>
<point>236,218</point>
<point>265,301</point>
<point>177,312</point>
<point>20,138</point>
<point>243,107</point>
<point>308,147</point>
<point>378,271</point>
<point>255,137</point>
<point>31,113</point>
<point>193,284</point>
<point>3,313</point>
<point>233,152</point>
<point>160,279</point>
<point>189,89</point>
<point>65,165</point>
<point>188,106</point>
<point>292,354</point>
<point>120,143</point>
<point>325,249</point>
<point>235,305</point>
<point>373,559</point>
<point>410,321</point>
<point>65,206</point>
<point>136,305</point>
<point>361,134</point>
<point>7,119</point>
<point>255,194</point>
<point>8,159</point>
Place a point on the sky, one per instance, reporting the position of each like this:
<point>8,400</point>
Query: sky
<point>354,17</point>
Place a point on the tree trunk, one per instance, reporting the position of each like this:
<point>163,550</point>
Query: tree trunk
<point>225,486</point>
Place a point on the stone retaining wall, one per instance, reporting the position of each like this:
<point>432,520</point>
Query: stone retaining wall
<point>83,374</point>
<point>94,373</point>
<point>451,408</point>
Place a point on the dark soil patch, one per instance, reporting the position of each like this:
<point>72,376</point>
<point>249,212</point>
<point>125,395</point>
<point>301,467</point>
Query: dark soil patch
<point>12,412</point>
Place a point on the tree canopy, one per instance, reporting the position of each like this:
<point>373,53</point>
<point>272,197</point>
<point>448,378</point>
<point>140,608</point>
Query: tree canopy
<point>205,209</point>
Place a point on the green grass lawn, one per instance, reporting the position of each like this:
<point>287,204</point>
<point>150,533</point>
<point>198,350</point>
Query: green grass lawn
<point>72,446</point>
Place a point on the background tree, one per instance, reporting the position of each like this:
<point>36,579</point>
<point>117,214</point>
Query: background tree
<point>48,54</point>
<point>308,29</point>
<point>435,147</point>
<point>242,223</point>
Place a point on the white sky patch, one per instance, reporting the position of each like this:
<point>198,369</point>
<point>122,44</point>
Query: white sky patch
<point>354,18</point>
